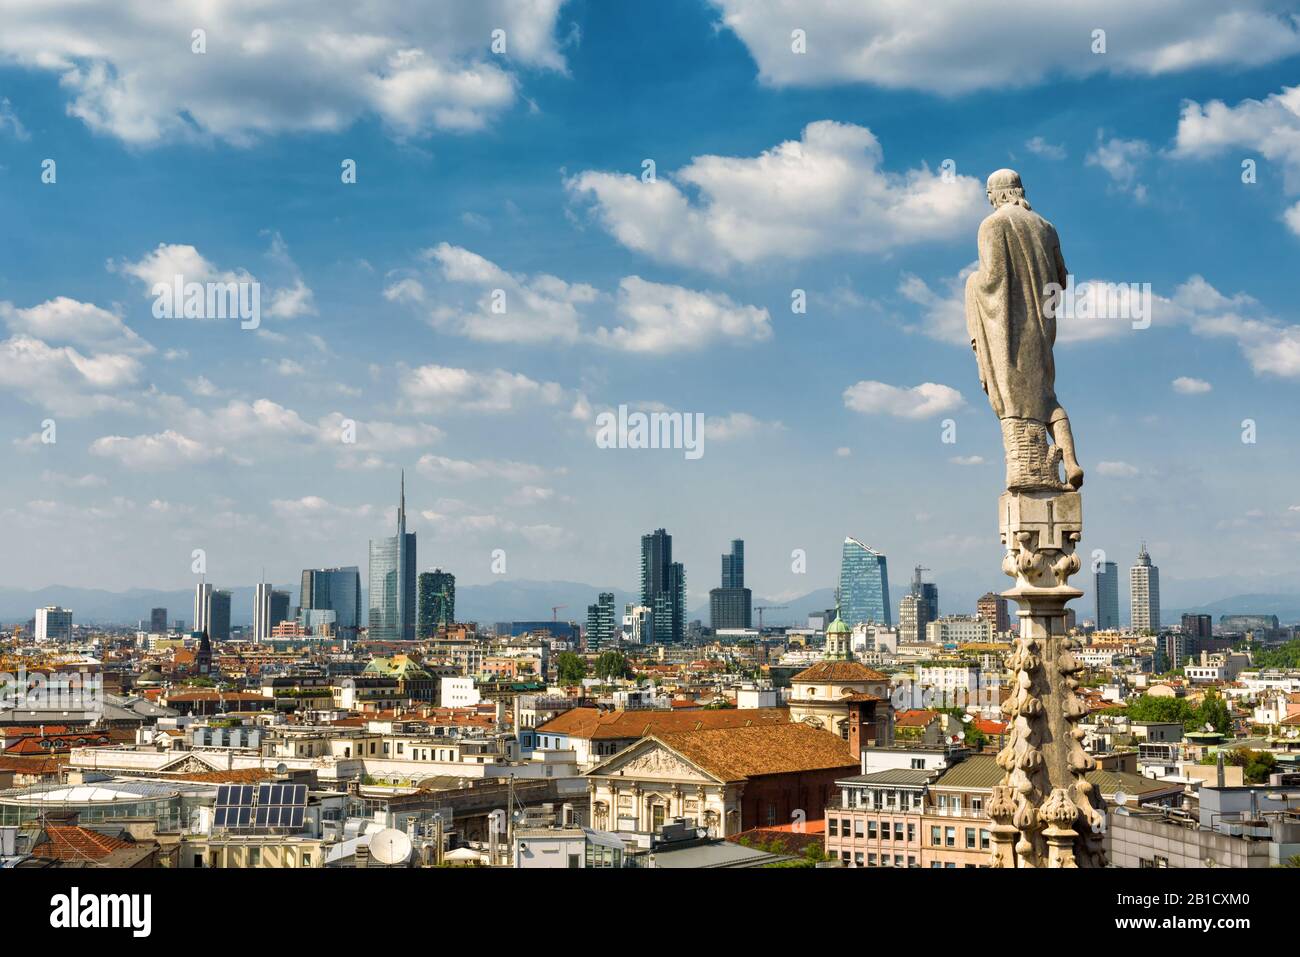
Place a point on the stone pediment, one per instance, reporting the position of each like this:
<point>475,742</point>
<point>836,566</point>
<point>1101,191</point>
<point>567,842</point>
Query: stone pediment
<point>652,761</point>
<point>190,764</point>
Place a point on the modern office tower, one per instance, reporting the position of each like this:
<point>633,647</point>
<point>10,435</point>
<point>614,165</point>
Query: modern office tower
<point>437,601</point>
<point>917,609</point>
<point>638,621</point>
<point>178,626</point>
<point>731,605</point>
<point>663,588</point>
<point>1198,626</point>
<point>219,615</point>
<point>600,621</point>
<point>270,607</point>
<point>158,621</point>
<point>392,581</point>
<point>1144,592</point>
<point>992,608</point>
<point>202,606</point>
<point>1105,581</point>
<point>261,611</point>
<point>733,565</point>
<point>333,589</point>
<point>53,623</point>
<point>864,585</point>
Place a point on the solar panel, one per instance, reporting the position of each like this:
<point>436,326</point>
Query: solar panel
<point>266,806</point>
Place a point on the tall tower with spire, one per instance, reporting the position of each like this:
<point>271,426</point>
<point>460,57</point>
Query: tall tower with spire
<point>392,580</point>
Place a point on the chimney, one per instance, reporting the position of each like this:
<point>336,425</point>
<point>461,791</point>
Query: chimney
<point>1220,775</point>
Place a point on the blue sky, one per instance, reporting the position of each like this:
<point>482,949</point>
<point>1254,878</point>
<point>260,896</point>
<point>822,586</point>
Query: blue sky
<point>520,171</point>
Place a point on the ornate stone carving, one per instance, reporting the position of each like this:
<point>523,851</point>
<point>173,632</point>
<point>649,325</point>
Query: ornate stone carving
<point>1045,813</point>
<point>658,763</point>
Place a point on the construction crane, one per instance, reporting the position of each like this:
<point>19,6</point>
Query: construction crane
<point>916,579</point>
<point>762,608</point>
<point>555,610</point>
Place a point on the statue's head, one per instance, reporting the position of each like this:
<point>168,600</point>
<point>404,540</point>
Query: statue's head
<point>1004,187</point>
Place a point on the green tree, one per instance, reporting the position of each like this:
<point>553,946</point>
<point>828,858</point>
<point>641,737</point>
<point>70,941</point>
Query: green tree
<point>572,669</point>
<point>1214,712</point>
<point>612,664</point>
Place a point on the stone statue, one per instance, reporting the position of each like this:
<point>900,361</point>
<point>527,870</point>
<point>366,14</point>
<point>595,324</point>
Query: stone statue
<point>1046,812</point>
<point>1010,315</point>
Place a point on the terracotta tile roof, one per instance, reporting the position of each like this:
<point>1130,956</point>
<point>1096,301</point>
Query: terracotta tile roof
<point>591,724</point>
<point>985,726</point>
<point>22,764</point>
<point>839,671</point>
<point>66,742</point>
<point>914,718</point>
<point>72,843</point>
<point>734,754</point>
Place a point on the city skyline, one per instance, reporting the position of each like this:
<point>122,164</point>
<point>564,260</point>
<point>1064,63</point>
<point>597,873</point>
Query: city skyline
<point>198,432</point>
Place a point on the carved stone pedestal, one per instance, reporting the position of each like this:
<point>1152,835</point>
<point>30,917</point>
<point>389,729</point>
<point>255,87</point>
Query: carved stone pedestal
<point>1045,812</point>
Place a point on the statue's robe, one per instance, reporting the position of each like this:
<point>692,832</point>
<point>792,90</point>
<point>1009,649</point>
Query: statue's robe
<point>1007,301</point>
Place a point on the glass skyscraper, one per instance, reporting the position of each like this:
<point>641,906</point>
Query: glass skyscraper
<point>663,587</point>
<point>333,589</point>
<point>437,601</point>
<point>864,585</point>
<point>730,606</point>
<point>392,582</point>
<point>1106,585</point>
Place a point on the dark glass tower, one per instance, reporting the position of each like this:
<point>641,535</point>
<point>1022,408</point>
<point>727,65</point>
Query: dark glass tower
<point>663,587</point>
<point>437,601</point>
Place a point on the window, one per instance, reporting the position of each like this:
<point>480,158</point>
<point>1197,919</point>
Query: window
<point>970,838</point>
<point>832,827</point>
<point>935,837</point>
<point>857,859</point>
<point>871,830</point>
<point>984,839</point>
<point>771,815</point>
<point>911,833</point>
<point>898,860</point>
<point>844,826</point>
<point>950,837</point>
<point>977,804</point>
<point>871,860</point>
<point>254,856</point>
<point>911,861</point>
<point>898,831</point>
<point>918,764</point>
<point>573,860</point>
<point>857,827</point>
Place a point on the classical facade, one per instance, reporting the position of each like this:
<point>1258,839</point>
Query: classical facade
<point>727,780</point>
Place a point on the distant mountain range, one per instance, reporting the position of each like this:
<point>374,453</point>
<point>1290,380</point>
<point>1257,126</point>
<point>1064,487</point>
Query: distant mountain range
<point>516,600</point>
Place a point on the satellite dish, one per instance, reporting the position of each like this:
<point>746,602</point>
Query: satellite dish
<point>390,846</point>
<point>1121,798</point>
<point>1209,728</point>
<point>282,768</point>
